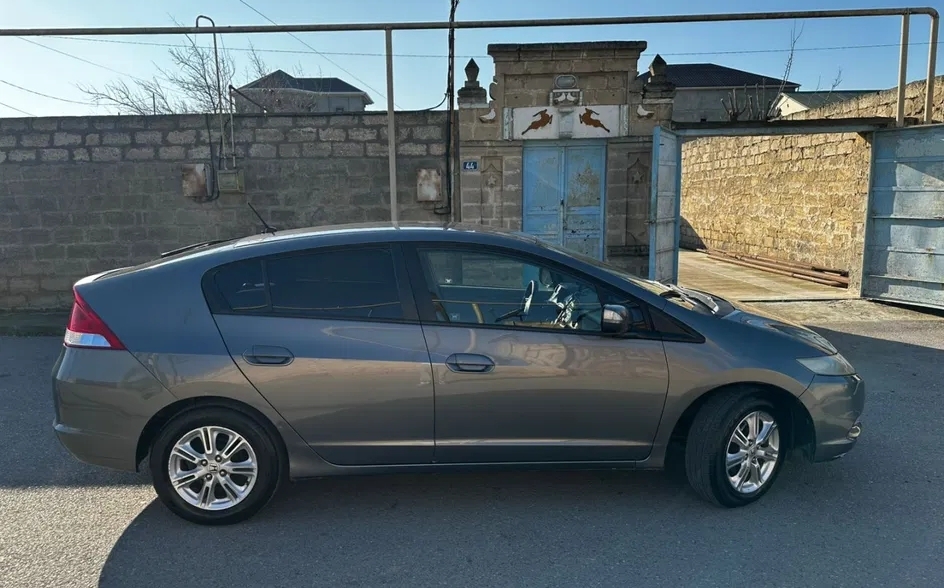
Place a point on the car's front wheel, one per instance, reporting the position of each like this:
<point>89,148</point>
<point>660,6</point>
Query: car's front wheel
<point>734,450</point>
<point>214,466</point>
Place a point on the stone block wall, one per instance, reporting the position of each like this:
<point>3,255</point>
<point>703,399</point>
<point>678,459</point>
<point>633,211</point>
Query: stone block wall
<point>628,180</point>
<point>883,103</point>
<point>82,194</point>
<point>492,194</point>
<point>795,197</point>
<point>606,70</point>
<point>798,197</point>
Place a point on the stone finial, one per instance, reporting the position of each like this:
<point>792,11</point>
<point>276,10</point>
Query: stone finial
<point>472,73</point>
<point>472,94</point>
<point>658,82</point>
<point>657,67</point>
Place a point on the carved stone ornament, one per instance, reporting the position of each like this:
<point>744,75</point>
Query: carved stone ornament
<point>566,97</point>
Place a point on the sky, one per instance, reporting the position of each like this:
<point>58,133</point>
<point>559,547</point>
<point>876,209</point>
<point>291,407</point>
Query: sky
<point>865,50</point>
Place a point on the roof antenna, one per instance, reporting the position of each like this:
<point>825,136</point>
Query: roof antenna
<point>266,227</point>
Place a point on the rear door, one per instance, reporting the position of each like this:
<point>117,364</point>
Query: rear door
<point>330,338</point>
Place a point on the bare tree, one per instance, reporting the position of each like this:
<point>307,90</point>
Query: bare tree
<point>758,107</point>
<point>188,85</point>
<point>836,81</point>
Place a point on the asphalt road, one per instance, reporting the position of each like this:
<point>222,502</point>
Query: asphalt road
<point>874,518</point>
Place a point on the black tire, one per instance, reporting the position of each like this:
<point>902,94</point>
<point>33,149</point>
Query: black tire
<point>707,444</point>
<point>266,453</point>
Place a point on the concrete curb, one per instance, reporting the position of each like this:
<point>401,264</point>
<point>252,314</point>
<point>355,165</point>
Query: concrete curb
<point>33,324</point>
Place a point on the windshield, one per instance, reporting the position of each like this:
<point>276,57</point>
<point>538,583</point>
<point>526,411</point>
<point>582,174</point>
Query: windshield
<point>651,286</point>
<point>654,287</point>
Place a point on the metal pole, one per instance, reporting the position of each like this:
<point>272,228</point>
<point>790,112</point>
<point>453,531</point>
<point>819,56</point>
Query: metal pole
<point>473,24</point>
<point>391,129</point>
<point>932,62</point>
<point>499,24</point>
<point>902,70</point>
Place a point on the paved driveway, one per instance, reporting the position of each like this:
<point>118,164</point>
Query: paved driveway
<point>734,282</point>
<point>875,518</point>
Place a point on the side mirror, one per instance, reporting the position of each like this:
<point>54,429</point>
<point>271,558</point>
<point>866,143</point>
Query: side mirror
<point>616,319</point>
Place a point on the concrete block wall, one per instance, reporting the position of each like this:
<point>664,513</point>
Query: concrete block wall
<point>799,197</point>
<point>83,194</point>
<point>492,194</point>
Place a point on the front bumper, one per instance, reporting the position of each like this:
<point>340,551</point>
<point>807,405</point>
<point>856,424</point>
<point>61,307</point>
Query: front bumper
<point>835,404</point>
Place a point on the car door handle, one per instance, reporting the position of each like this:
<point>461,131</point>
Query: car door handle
<point>469,362</point>
<point>268,355</point>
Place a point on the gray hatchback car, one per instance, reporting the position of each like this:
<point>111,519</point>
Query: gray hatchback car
<point>229,368</point>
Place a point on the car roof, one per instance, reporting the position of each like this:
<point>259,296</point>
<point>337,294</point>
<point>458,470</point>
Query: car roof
<point>390,231</point>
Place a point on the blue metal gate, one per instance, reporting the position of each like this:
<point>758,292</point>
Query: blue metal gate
<point>904,236</point>
<point>564,185</point>
<point>665,212</point>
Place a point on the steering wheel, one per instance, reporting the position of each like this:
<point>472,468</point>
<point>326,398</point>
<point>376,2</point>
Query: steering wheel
<point>525,307</point>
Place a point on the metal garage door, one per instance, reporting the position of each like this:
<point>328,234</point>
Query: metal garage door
<point>904,239</point>
<point>665,206</point>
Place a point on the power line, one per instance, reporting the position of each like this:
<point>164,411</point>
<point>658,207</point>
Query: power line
<point>82,59</point>
<point>328,59</point>
<point>46,95</point>
<point>442,56</point>
<point>17,109</point>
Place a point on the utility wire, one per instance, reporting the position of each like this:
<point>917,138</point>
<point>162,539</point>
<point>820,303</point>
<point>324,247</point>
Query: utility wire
<point>440,56</point>
<point>46,95</point>
<point>17,109</point>
<point>80,59</point>
<point>322,55</point>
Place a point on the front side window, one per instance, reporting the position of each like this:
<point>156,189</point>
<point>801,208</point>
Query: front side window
<point>499,289</point>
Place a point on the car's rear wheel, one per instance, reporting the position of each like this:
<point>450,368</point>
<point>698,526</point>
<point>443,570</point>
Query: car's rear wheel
<point>214,466</point>
<point>734,449</point>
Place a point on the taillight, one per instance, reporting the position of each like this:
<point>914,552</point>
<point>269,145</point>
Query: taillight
<point>87,329</point>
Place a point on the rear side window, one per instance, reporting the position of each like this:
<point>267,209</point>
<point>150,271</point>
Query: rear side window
<point>354,284</point>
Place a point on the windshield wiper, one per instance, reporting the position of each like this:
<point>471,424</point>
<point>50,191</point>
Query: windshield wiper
<point>690,297</point>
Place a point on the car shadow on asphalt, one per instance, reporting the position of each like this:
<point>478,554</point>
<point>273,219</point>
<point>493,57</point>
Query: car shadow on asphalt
<point>421,529</point>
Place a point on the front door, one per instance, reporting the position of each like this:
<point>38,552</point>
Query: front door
<point>563,194</point>
<point>532,385</point>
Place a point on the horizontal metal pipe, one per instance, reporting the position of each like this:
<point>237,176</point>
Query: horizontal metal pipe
<point>474,24</point>
<point>786,268</point>
<point>748,264</point>
<point>820,269</point>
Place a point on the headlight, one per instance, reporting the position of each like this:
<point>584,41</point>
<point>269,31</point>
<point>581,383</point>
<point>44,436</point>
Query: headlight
<point>828,365</point>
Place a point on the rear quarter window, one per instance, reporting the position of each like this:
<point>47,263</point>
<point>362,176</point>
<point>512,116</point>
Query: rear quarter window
<point>241,287</point>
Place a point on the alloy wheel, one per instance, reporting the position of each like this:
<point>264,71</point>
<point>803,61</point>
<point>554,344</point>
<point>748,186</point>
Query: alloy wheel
<point>213,468</point>
<point>752,452</point>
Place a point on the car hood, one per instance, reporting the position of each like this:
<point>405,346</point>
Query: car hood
<point>753,317</point>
